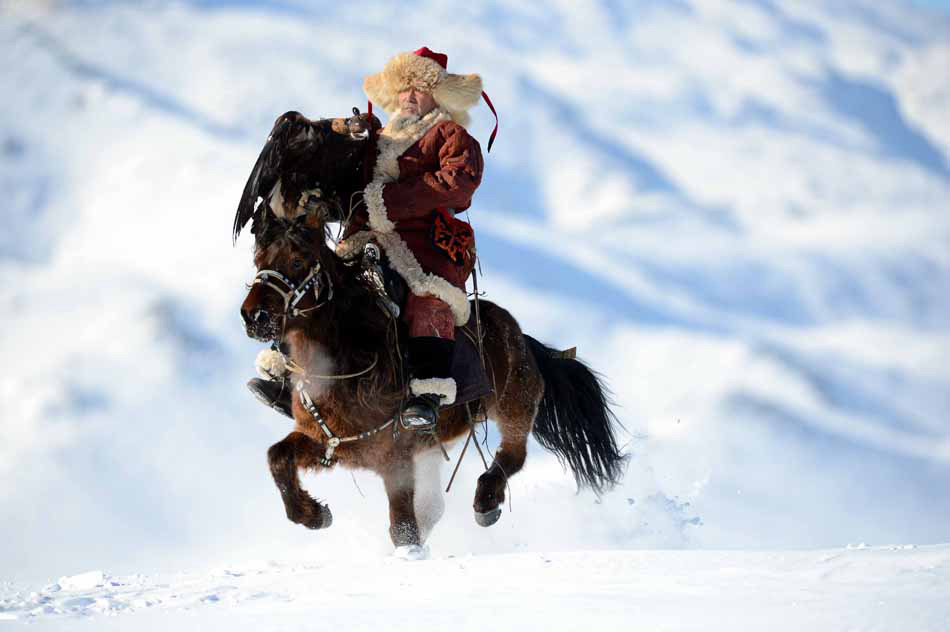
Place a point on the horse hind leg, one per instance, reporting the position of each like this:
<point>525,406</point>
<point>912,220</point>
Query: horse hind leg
<point>514,411</point>
<point>285,458</point>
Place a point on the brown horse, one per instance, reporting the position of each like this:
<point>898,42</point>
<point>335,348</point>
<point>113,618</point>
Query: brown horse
<point>350,383</point>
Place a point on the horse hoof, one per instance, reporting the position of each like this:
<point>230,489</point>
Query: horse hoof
<point>322,520</point>
<point>412,552</point>
<point>488,518</point>
<point>326,515</point>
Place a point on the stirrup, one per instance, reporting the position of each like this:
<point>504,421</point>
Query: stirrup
<point>274,394</point>
<point>421,412</point>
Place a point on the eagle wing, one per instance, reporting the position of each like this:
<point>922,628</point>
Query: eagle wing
<point>267,169</point>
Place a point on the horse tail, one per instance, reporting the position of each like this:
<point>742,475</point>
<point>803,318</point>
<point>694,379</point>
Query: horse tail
<point>574,420</point>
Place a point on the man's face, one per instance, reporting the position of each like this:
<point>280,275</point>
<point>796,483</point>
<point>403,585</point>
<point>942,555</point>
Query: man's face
<point>414,102</point>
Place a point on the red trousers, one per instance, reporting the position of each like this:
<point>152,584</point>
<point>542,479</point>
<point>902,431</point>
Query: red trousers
<point>429,316</point>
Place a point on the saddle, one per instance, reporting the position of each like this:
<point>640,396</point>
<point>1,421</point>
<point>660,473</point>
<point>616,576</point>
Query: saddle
<point>468,371</point>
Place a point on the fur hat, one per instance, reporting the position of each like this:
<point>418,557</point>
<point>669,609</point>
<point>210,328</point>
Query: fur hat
<point>425,71</point>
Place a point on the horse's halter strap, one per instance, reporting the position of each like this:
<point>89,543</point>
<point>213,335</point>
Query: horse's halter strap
<point>333,441</point>
<point>294,293</point>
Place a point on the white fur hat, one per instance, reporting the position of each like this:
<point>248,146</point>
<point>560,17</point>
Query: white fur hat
<point>424,70</point>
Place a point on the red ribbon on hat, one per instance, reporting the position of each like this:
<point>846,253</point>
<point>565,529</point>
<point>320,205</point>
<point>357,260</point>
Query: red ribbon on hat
<point>491,139</point>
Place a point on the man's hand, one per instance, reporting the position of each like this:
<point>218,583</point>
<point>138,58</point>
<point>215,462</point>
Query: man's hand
<point>311,200</point>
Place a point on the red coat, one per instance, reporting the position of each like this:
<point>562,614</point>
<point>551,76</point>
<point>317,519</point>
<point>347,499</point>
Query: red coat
<point>440,170</point>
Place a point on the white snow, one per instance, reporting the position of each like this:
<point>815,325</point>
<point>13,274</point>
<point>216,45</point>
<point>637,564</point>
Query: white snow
<point>872,588</point>
<point>83,581</point>
<point>735,210</point>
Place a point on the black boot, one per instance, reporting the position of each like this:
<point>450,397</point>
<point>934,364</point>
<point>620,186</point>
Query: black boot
<point>420,412</point>
<point>275,394</point>
<point>429,358</point>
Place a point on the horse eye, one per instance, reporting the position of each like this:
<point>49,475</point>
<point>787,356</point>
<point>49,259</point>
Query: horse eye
<point>296,264</point>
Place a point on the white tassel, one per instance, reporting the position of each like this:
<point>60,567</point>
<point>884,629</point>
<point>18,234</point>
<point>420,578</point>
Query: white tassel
<point>271,364</point>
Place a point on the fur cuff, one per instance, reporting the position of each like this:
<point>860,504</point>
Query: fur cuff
<point>354,244</point>
<point>270,364</point>
<point>444,387</point>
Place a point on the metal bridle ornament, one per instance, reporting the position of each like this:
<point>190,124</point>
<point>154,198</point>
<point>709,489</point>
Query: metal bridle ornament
<point>293,293</point>
<point>333,441</point>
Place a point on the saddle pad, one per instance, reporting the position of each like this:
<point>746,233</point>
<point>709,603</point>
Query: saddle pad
<point>471,379</point>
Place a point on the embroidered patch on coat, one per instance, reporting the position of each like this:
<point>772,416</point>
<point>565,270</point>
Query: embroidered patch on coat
<point>452,236</point>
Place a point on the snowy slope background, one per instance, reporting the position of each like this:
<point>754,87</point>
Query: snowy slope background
<point>739,213</point>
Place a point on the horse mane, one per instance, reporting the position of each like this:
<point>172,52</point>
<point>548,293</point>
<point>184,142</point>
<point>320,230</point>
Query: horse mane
<point>278,232</point>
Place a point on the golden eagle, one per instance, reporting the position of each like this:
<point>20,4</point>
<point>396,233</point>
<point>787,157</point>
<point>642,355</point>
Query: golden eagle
<point>305,163</point>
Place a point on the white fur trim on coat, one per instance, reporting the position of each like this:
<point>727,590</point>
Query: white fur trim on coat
<point>376,207</point>
<point>354,244</point>
<point>444,387</point>
<point>393,142</point>
<point>398,136</point>
<point>423,283</point>
<point>402,260</point>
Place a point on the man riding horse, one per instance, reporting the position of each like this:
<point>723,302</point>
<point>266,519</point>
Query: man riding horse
<point>427,169</point>
<point>323,309</point>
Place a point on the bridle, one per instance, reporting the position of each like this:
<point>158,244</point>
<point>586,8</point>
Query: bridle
<point>293,293</point>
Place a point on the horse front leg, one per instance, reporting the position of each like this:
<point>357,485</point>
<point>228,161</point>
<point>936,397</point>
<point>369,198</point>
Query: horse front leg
<point>285,458</point>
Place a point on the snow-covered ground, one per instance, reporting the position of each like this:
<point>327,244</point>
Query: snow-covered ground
<point>892,588</point>
<point>736,210</point>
